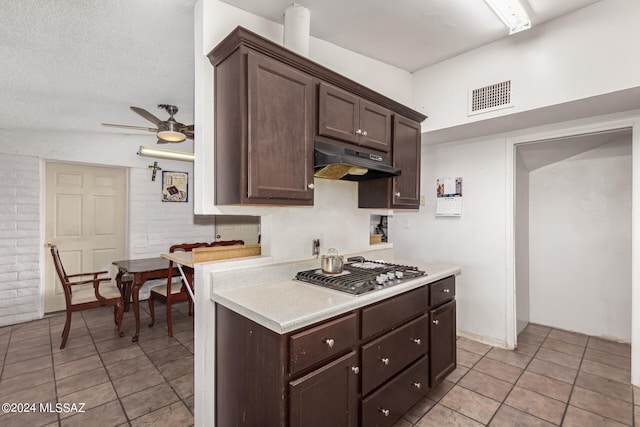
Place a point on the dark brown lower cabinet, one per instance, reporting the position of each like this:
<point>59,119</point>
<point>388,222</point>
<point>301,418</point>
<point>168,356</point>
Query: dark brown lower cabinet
<point>327,396</point>
<point>366,367</point>
<point>443,341</point>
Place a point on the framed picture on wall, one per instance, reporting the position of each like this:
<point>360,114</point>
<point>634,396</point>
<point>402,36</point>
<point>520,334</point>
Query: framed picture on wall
<point>175,186</point>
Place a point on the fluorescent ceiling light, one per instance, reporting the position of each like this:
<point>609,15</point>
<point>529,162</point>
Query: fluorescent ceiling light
<point>511,13</point>
<point>165,154</point>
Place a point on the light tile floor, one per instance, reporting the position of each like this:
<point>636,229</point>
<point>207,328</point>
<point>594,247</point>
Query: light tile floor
<point>553,378</point>
<point>120,383</point>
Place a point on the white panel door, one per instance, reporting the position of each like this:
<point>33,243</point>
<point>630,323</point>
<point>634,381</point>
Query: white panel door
<point>232,227</point>
<point>85,218</point>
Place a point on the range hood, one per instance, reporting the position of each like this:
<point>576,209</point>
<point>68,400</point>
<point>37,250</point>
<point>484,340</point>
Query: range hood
<point>333,161</point>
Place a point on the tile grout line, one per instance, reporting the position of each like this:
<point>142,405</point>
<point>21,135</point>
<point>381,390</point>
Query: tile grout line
<point>104,366</point>
<point>518,379</point>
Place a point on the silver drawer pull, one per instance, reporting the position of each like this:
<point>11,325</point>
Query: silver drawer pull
<point>364,133</point>
<point>359,132</point>
<point>417,341</point>
<point>385,360</point>
<point>330,342</point>
<point>355,370</point>
<point>385,412</point>
<point>435,322</point>
<point>416,385</point>
<point>445,290</point>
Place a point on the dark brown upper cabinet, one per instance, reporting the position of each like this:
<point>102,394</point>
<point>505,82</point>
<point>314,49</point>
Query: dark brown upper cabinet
<point>269,105</point>
<point>403,191</point>
<point>264,132</point>
<point>344,116</point>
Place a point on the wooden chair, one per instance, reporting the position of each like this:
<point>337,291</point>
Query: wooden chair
<point>177,291</point>
<point>86,294</point>
<point>173,291</point>
<point>227,243</point>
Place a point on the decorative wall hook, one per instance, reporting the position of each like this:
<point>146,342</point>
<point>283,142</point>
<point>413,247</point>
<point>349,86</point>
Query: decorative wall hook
<point>155,169</point>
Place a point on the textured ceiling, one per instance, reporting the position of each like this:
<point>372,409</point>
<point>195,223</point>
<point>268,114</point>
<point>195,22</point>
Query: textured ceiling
<point>71,65</point>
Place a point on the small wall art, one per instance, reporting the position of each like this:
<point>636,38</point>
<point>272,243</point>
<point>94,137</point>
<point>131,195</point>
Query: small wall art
<point>175,186</point>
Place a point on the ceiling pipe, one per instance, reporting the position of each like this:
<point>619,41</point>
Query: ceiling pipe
<point>297,20</point>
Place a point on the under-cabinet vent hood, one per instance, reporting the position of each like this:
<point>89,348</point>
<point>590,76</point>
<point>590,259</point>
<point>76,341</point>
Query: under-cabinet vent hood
<point>333,161</point>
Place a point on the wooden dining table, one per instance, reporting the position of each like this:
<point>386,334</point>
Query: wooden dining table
<point>139,271</point>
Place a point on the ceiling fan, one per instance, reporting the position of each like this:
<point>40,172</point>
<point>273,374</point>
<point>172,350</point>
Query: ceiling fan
<point>168,130</point>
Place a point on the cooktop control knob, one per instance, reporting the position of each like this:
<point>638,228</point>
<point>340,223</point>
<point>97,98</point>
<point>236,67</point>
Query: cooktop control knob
<point>399,275</point>
<point>391,275</point>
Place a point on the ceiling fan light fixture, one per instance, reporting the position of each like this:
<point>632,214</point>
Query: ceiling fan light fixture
<point>165,154</point>
<point>511,13</point>
<point>171,136</point>
<point>168,131</point>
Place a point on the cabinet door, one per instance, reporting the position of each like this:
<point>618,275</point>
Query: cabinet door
<point>280,132</point>
<point>375,125</point>
<point>327,396</point>
<point>442,342</point>
<point>338,114</point>
<point>406,156</point>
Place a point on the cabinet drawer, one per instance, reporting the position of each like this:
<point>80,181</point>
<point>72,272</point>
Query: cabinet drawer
<point>384,357</point>
<point>387,405</point>
<point>442,291</point>
<point>314,345</point>
<point>394,311</point>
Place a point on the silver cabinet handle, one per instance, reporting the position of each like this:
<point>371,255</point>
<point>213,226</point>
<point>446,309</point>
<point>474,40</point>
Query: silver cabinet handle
<point>330,342</point>
<point>385,360</point>
<point>355,370</point>
<point>364,133</point>
<point>385,412</point>
<point>416,385</point>
<point>435,322</point>
<point>359,132</point>
<point>311,186</point>
<point>418,341</point>
<point>445,290</point>
<point>398,194</point>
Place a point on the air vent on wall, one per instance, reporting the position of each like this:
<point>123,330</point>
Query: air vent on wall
<point>490,98</point>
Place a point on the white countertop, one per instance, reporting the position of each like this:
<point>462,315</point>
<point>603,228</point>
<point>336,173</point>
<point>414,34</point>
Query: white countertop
<point>286,305</point>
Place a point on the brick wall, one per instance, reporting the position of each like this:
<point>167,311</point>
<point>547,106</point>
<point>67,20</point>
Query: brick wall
<point>155,225</point>
<point>20,287</point>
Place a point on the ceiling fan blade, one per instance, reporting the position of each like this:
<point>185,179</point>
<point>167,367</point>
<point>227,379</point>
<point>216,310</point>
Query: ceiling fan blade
<point>188,131</point>
<point>154,130</point>
<point>147,115</point>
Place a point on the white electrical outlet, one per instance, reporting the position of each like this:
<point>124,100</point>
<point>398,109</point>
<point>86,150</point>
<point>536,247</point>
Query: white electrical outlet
<point>422,200</point>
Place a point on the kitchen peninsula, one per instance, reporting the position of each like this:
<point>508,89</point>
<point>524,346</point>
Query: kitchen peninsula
<point>270,343</point>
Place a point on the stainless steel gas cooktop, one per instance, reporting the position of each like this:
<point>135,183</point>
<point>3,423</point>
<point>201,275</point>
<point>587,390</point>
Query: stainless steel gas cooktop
<point>362,276</point>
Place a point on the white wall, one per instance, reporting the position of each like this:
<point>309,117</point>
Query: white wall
<point>587,53</point>
<point>152,227</point>
<point>475,241</point>
<point>580,242</point>
<point>287,233</point>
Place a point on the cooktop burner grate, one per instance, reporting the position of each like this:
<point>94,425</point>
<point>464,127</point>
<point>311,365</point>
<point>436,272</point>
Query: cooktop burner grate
<point>360,277</point>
